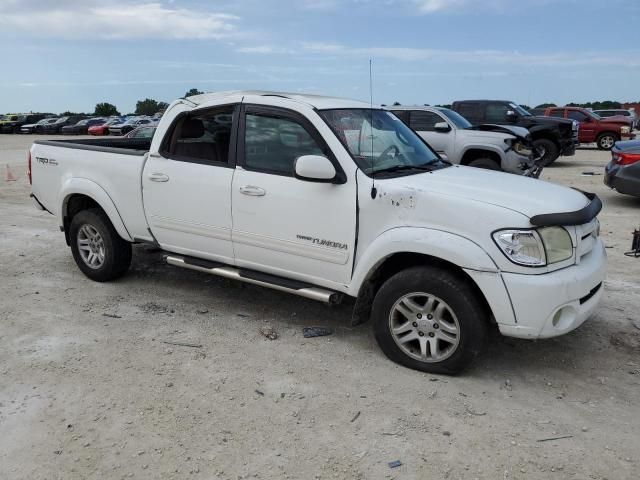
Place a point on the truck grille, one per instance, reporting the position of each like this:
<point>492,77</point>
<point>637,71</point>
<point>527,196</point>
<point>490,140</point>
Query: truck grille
<point>586,239</point>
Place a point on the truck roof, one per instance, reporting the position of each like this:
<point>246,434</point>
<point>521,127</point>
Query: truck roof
<point>315,101</point>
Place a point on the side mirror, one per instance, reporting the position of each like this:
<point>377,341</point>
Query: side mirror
<point>442,127</point>
<point>314,168</point>
<point>511,116</point>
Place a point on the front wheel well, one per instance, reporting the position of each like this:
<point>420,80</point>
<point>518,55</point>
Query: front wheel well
<point>397,262</point>
<point>72,206</point>
<point>475,153</point>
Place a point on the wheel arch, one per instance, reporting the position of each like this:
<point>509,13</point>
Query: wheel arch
<point>442,251</point>
<point>82,194</point>
<point>471,153</point>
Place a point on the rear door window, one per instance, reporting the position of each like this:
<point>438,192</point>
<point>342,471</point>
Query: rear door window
<point>557,112</point>
<point>471,111</point>
<point>496,113</point>
<point>422,121</point>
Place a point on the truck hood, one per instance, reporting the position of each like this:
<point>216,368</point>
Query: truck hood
<point>551,120</point>
<point>524,195</point>
<point>618,120</point>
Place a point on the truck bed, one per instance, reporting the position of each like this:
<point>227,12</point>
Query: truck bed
<point>124,146</point>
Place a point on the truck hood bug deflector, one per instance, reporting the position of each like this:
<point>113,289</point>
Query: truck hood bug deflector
<point>542,202</point>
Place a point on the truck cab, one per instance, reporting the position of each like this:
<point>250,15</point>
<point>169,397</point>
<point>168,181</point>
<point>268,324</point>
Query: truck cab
<point>605,132</point>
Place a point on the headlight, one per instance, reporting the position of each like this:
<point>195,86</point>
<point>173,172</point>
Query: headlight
<point>625,130</point>
<point>535,248</point>
<point>520,149</point>
<point>557,244</point>
<point>523,247</point>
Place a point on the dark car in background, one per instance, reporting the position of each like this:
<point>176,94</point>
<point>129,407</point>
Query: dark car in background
<point>551,137</point>
<point>623,171</point>
<point>128,125</point>
<point>56,126</point>
<point>14,125</point>
<point>32,127</point>
<point>82,127</point>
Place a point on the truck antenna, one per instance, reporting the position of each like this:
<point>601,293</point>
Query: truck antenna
<point>374,192</point>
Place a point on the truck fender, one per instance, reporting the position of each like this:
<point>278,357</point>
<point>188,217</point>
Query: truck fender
<point>459,251</point>
<point>450,247</point>
<point>83,186</point>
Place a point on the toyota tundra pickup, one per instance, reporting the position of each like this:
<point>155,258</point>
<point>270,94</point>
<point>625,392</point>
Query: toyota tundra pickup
<point>329,198</point>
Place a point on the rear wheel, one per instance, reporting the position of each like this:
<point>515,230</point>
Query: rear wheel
<point>430,320</point>
<point>606,141</point>
<point>98,250</point>
<point>486,163</point>
<point>547,151</point>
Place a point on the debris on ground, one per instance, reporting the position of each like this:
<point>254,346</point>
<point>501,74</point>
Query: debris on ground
<point>202,311</point>
<point>260,393</point>
<point>355,417</point>
<point>268,332</point>
<point>590,174</point>
<point>183,344</point>
<point>395,464</point>
<point>111,315</point>
<point>311,332</point>
<point>554,438</point>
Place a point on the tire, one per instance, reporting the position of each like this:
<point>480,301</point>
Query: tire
<point>605,141</point>
<point>453,303</point>
<point>486,163</point>
<point>112,253</point>
<point>550,152</point>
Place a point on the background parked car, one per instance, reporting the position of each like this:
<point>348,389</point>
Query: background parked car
<point>9,117</point>
<point>621,112</point>
<point>31,127</point>
<point>551,137</point>
<point>623,172</point>
<point>56,126</point>
<point>103,129</point>
<point>142,132</point>
<point>14,126</point>
<point>491,147</point>
<point>82,126</point>
<point>605,132</point>
<point>128,125</point>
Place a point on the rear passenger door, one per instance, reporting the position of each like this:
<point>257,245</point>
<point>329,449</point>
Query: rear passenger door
<point>283,225</point>
<point>187,185</point>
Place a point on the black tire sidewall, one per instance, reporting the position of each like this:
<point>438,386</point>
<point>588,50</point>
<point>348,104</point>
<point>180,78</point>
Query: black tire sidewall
<point>455,292</point>
<point>117,251</point>
<point>551,153</point>
<point>485,163</point>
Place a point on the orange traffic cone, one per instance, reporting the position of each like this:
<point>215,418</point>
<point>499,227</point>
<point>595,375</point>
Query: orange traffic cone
<point>8,176</point>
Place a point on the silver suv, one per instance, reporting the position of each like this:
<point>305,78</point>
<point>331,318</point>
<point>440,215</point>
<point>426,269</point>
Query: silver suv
<point>494,147</point>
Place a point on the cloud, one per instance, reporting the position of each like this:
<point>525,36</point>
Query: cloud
<point>112,20</point>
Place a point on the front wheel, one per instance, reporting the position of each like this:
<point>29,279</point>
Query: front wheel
<point>98,250</point>
<point>430,320</point>
<point>606,141</point>
<point>547,151</point>
<point>486,163</point>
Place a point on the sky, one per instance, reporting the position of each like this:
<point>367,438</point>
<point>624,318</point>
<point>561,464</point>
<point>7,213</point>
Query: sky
<point>58,55</point>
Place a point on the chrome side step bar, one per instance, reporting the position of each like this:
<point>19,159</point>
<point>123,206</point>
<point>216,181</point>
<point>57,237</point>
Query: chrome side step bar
<point>256,278</point>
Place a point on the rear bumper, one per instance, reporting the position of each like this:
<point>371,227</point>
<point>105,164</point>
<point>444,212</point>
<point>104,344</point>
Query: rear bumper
<point>552,304</point>
<point>624,179</point>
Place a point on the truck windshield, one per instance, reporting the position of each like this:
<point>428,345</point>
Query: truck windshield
<point>521,111</point>
<point>455,118</point>
<point>378,141</point>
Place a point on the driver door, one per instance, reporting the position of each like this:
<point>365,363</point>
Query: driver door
<point>281,224</point>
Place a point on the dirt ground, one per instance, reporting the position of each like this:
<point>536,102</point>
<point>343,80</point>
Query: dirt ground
<point>90,389</point>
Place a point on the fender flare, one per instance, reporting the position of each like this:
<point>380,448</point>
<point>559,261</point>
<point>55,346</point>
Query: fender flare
<point>453,248</point>
<point>89,188</point>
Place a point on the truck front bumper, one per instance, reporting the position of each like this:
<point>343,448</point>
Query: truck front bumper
<point>513,162</point>
<point>555,303</point>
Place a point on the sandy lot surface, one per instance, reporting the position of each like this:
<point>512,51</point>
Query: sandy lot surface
<point>89,389</point>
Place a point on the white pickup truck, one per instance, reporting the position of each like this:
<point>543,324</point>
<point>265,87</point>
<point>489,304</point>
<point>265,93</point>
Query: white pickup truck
<point>326,198</point>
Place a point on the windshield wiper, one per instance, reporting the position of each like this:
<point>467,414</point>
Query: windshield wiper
<point>399,168</point>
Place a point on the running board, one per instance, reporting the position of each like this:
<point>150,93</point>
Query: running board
<point>256,278</point>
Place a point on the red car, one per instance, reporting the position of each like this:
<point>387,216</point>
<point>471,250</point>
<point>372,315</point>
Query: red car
<point>103,129</point>
<point>605,132</point>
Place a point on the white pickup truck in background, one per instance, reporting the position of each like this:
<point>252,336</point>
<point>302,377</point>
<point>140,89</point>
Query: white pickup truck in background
<point>325,198</point>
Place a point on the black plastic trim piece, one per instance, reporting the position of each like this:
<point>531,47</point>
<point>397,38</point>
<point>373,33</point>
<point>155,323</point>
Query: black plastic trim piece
<point>588,296</point>
<point>200,262</point>
<point>579,217</point>
<point>40,203</point>
<point>94,145</point>
<point>274,280</point>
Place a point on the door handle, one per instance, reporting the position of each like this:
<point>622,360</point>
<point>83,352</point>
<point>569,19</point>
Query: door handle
<point>253,191</point>
<point>158,177</point>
